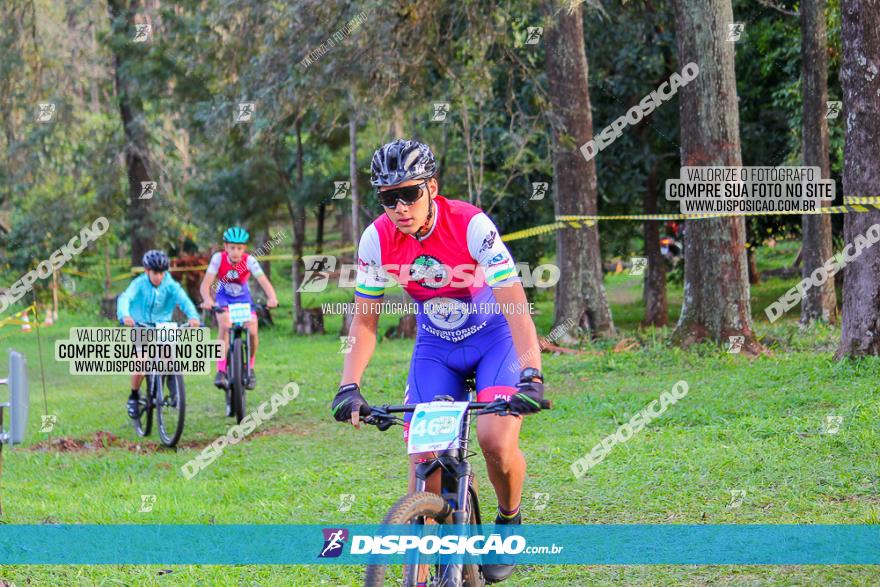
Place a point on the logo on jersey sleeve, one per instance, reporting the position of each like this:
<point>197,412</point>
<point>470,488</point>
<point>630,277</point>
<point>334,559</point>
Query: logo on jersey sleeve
<point>429,272</point>
<point>488,242</point>
<point>446,313</point>
<point>499,259</point>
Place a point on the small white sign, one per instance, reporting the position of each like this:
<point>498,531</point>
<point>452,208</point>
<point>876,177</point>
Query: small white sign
<point>441,109</point>
<point>341,189</point>
<point>46,111</point>
<point>833,108</point>
<point>48,422</point>
<point>142,32</point>
<point>246,111</point>
<point>147,503</point>
<point>735,31</point>
<point>148,189</point>
<point>541,501</point>
<point>637,265</point>
<point>736,344</point>
<point>539,190</point>
<point>346,500</point>
<point>534,35</point>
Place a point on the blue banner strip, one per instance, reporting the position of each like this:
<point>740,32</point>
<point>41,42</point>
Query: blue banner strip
<point>635,544</point>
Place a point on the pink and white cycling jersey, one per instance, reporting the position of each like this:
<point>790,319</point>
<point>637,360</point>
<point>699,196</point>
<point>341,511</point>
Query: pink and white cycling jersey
<point>233,277</point>
<point>450,272</point>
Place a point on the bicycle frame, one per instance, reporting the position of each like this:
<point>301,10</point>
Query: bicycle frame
<point>454,465</point>
<point>238,330</point>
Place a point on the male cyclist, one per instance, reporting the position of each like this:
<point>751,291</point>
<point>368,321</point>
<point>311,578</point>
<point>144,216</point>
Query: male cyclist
<point>461,329</point>
<point>232,267</point>
<point>148,299</point>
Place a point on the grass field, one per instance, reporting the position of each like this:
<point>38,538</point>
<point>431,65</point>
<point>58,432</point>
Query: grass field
<point>753,425</point>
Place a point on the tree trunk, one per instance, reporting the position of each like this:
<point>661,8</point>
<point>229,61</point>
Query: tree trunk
<point>299,237</point>
<point>716,287</point>
<point>860,36</point>
<point>754,274</point>
<point>580,294</point>
<point>819,303</point>
<point>344,223</point>
<point>265,264</point>
<point>397,124</point>
<point>298,221</point>
<point>654,293</point>
<point>352,172</point>
<point>141,225</point>
<point>319,237</point>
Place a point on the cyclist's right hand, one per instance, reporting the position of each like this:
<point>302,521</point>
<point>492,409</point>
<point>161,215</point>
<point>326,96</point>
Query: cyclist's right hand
<point>128,321</point>
<point>207,304</point>
<point>349,405</point>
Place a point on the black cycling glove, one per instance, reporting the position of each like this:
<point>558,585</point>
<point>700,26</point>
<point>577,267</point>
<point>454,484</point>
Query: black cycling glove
<point>347,401</point>
<point>528,396</point>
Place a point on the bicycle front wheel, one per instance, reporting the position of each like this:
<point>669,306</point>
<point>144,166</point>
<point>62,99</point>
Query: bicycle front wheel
<point>236,380</point>
<point>143,424</point>
<point>171,409</point>
<point>415,508</point>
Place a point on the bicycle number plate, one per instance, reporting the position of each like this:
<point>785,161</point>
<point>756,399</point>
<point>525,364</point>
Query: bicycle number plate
<point>239,313</point>
<point>436,426</point>
<point>166,325</point>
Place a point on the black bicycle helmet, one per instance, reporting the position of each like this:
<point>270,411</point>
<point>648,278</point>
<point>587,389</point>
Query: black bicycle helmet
<point>401,161</point>
<point>156,261</point>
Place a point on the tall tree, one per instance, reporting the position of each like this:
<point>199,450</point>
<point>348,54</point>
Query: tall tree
<point>860,78</point>
<point>716,286</point>
<point>352,173</point>
<point>654,292</point>
<point>819,303</point>
<point>580,293</point>
<point>141,225</point>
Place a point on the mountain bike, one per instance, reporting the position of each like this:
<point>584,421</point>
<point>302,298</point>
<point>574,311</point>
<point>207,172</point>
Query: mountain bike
<point>166,394</point>
<point>238,355</point>
<point>457,502</point>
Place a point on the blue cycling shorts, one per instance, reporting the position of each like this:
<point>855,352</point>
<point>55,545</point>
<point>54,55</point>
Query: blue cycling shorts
<point>440,367</point>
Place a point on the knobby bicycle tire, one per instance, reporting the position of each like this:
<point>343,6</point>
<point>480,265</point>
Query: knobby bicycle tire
<point>415,505</point>
<point>177,395</point>
<point>236,381</point>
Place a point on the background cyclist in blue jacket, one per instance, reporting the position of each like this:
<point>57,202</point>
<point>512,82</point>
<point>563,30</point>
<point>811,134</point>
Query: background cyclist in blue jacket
<point>151,298</point>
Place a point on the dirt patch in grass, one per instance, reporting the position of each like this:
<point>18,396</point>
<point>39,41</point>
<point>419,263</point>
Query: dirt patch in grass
<point>103,440</point>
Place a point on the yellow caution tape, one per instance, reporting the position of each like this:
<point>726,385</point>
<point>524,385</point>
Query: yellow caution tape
<point>845,209</point>
<point>861,200</point>
<point>852,204</point>
<point>14,319</point>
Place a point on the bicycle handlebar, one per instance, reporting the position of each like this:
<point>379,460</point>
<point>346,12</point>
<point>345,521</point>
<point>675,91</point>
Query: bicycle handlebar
<point>546,404</point>
<point>224,309</point>
<point>380,415</point>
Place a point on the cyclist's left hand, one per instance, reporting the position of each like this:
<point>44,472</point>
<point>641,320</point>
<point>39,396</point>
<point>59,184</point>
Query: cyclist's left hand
<point>528,396</point>
<point>195,322</point>
<point>272,303</point>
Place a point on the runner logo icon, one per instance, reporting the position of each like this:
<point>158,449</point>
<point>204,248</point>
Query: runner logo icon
<point>334,540</point>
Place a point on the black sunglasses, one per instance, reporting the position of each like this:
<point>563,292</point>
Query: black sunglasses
<point>406,196</point>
